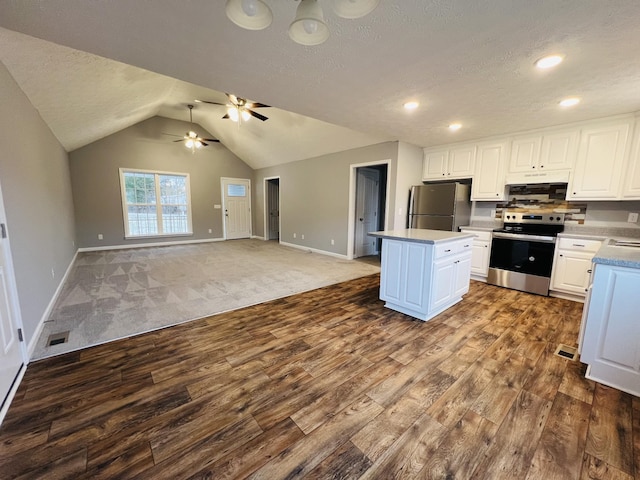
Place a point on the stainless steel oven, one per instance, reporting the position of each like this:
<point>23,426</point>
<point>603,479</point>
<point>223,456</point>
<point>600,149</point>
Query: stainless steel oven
<point>522,251</point>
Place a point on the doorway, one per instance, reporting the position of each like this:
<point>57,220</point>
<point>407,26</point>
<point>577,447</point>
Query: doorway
<point>370,208</point>
<point>236,206</point>
<point>272,208</point>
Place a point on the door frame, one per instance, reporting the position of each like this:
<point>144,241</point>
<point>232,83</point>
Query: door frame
<point>224,205</point>
<point>351,227</point>
<point>362,173</point>
<point>266,207</point>
<point>14,305</point>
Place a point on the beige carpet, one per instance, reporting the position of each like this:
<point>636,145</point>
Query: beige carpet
<point>118,293</point>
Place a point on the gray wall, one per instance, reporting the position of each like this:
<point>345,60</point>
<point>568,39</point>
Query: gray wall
<point>96,182</point>
<point>37,197</point>
<point>314,196</point>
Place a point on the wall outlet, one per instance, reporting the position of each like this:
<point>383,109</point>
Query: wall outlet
<point>210,230</point>
<point>333,242</point>
<point>295,235</point>
<point>633,217</point>
<point>302,236</point>
<point>100,237</point>
<point>53,273</point>
<point>217,207</point>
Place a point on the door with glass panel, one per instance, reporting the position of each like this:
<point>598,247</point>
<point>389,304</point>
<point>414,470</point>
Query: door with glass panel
<point>236,199</point>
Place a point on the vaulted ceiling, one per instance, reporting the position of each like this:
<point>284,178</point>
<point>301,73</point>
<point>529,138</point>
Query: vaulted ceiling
<point>93,68</point>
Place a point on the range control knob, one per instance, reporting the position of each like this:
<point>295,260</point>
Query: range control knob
<point>558,218</point>
<point>550,218</point>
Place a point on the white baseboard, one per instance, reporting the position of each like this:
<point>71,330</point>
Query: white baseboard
<point>36,335</point>
<point>12,392</point>
<point>153,244</point>
<point>257,237</point>
<point>314,250</point>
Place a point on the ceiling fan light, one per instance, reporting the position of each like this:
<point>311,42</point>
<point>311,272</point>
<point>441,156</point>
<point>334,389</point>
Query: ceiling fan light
<point>189,143</point>
<point>245,115</point>
<point>197,144</point>
<point>249,14</point>
<point>354,8</point>
<point>233,113</point>
<point>308,28</point>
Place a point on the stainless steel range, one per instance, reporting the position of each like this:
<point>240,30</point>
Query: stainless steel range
<point>522,251</point>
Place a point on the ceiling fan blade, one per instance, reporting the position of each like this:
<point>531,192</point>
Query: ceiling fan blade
<point>226,116</point>
<point>203,143</point>
<point>233,98</point>
<point>257,105</point>
<point>210,103</point>
<point>181,140</point>
<point>211,139</point>
<point>257,115</point>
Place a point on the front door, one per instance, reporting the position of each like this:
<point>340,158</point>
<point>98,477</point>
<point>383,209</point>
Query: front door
<point>367,206</point>
<point>236,199</point>
<point>11,359</point>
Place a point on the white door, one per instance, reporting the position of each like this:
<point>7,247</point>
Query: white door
<point>367,205</point>
<point>11,357</point>
<point>236,199</point>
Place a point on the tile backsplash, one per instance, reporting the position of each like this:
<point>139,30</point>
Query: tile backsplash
<point>543,198</point>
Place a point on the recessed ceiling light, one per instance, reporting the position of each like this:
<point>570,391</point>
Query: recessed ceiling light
<point>569,102</point>
<point>455,126</point>
<point>411,105</point>
<point>549,61</point>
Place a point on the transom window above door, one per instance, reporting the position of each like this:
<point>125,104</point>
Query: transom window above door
<point>155,203</point>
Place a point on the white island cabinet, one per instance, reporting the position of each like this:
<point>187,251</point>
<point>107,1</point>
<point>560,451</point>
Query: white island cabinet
<point>610,343</point>
<point>424,272</point>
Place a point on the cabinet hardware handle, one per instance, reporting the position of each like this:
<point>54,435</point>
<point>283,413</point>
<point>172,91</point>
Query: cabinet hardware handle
<point>589,271</point>
<point>578,245</point>
<point>447,250</point>
<point>560,255</point>
<point>466,246</point>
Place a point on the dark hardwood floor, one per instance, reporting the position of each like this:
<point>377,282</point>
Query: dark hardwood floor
<point>330,384</point>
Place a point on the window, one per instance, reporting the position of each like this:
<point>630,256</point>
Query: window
<point>155,203</point>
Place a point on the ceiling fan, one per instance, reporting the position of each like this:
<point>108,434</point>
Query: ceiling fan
<point>239,109</point>
<point>191,139</point>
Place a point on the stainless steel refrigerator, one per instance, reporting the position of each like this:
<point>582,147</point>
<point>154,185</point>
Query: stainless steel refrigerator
<point>439,206</point>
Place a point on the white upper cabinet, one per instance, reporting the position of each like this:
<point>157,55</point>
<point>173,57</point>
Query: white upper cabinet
<point>489,177</point>
<point>559,150</point>
<point>632,178</point>
<point>449,163</point>
<point>601,159</point>
<point>551,151</point>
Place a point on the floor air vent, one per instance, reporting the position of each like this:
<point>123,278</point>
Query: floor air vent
<point>57,338</point>
<point>567,352</point>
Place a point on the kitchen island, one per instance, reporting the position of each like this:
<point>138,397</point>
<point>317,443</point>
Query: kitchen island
<point>610,331</point>
<point>424,272</point>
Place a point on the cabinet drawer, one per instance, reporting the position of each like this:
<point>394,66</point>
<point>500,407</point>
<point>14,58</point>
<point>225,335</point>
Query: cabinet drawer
<point>578,244</point>
<point>481,235</point>
<point>453,248</point>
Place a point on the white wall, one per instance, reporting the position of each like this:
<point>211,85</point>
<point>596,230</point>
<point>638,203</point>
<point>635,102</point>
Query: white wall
<point>409,173</point>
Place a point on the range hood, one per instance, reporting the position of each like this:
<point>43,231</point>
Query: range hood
<point>528,178</point>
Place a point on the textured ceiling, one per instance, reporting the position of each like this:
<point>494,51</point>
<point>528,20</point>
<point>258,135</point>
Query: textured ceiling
<point>470,62</point>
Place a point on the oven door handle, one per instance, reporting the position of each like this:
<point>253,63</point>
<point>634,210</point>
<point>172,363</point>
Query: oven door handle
<point>521,236</point>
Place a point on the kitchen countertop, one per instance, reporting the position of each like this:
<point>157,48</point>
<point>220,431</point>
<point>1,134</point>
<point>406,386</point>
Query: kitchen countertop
<point>618,256</point>
<point>420,235</point>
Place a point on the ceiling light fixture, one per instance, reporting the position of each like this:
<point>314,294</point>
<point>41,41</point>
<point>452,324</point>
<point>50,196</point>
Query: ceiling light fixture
<point>569,102</point>
<point>455,126</point>
<point>308,27</point>
<point>411,105</point>
<point>549,61</point>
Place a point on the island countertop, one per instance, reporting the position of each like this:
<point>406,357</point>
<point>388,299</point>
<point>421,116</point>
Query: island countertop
<point>421,235</point>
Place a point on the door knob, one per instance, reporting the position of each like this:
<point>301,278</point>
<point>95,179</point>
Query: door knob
<point>361,219</point>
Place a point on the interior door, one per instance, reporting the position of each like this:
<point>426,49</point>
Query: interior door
<point>367,206</point>
<point>236,198</point>
<point>11,358</point>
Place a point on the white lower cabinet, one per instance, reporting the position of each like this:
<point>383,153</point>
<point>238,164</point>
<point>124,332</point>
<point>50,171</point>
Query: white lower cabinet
<point>611,340</point>
<point>572,265</point>
<point>480,252</point>
<point>424,279</point>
